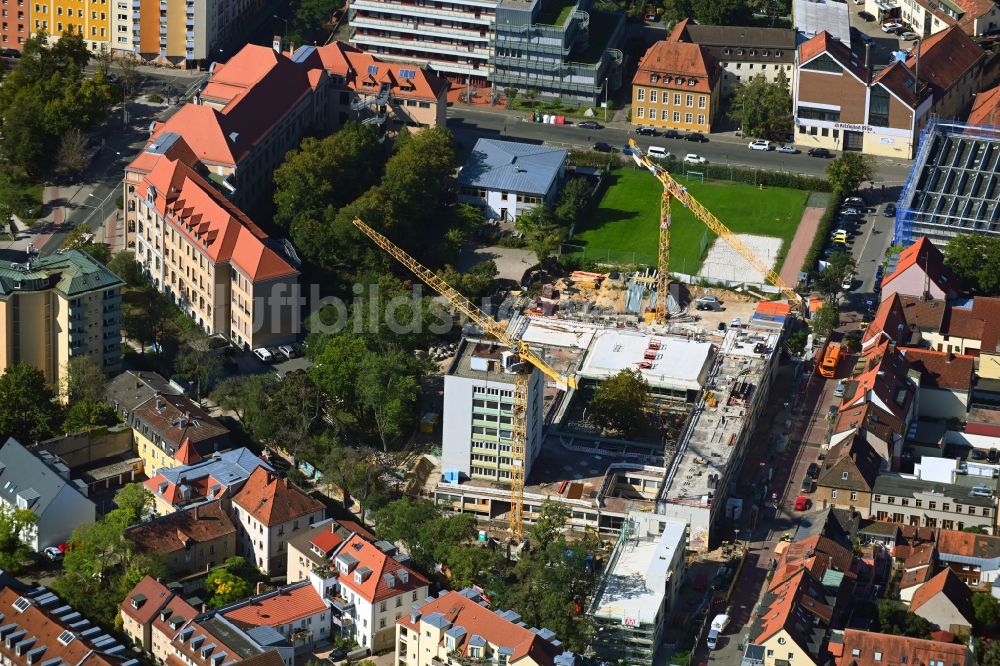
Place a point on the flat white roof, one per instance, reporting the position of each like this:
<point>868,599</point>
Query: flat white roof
<point>678,363</point>
<point>636,584</point>
<point>812,17</point>
<point>558,333</point>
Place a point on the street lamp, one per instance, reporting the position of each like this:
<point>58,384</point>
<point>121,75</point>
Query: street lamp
<point>605,99</point>
<point>284,36</point>
<point>93,196</point>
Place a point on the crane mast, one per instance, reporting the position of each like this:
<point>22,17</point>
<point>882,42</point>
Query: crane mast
<point>672,188</point>
<point>521,380</point>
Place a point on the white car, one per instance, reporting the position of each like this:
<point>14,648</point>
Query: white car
<point>789,150</point>
<point>891,26</point>
<point>264,354</point>
<point>759,144</point>
<point>53,553</point>
<point>692,158</point>
<point>838,391</point>
<point>847,283</point>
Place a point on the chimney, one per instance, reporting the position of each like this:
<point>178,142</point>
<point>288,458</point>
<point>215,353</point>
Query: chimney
<point>950,357</point>
<point>260,588</point>
<point>868,66</point>
<point>276,43</point>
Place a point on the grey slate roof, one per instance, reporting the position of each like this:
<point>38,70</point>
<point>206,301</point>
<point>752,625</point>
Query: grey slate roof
<point>25,474</point>
<point>71,273</point>
<point>897,486</point>
<point>130,389</point>
<point>227,468</point>
<point>512,167</point>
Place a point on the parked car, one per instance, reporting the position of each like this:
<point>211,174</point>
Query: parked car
<point>838,390</point>
<point>802,503</point>
<point>602,147</point>
<point>847,210</point>
<point>847,283</point>
<point>671,134</point>
<point>908,36</point>
<point>718,625</point>
<point>697,137</point>
<point>10,53</point>
<point>889,210</point>
<point>692,158</point>
<point>264,354</point>
<point>855,202</point>
<point>53,554</point>
<point>646,130</point>
<point>590,124</point>
<point>658,152</point>
<point>807,485</point>
<point>784,148</point>
<point>759,144</point>
<point>866,16</point>
<point>818,152</point>
<point>287,351</point>
<point>813,471</point>
<point>891,26</point>
<point>708,303</point>
<point>652,18</point>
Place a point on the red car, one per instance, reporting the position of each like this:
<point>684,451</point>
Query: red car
<point>801,503</point>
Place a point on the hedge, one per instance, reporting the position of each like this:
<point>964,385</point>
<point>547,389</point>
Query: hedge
<point>756,177</point>
<point>823,231</point>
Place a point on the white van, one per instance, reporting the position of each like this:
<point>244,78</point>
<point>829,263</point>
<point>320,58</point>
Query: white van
<point>718,625</point>
<point>657,152</point>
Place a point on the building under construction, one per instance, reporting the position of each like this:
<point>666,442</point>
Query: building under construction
<point>712,386</point>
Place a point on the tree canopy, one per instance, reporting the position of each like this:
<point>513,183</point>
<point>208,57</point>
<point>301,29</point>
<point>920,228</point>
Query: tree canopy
<point>28,411</point>
<point>621,402</point>
<point>850,170</point>
<point>975,259</point>
<point>826,319</point>
<point>763,108</point>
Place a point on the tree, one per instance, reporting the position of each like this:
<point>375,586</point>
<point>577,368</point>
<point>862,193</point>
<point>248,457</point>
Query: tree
<point>850,170</point>
<point>355,471</point>
<point>986,609</point>
<point>474,282</point>
<point>89,414</point>
<point>763,108</point>
<point>84,380</point>
<point>123,265</point>
<point>797,341</point>
<point>541,231</point>
<point>199,365</point>
<point>825,320</point>
<point>975,529</point>
<point>388,394</point>
<point>72,157</point>
<point>975,259</point>
<point>15,526</point>
<point>893,619</point>
<point>840,267</point>
<point>511,93</point>
<point>573,202</point>
<point>621,402</point>
<point>225,587</point>
<point>28,411</point>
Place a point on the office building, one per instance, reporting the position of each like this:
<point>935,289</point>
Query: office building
<point>56,308</point>
<point>479,395</point>
<point>461,625</point>
<point>637,593</point>
<point>562,49</point>
<point>842,103</point>
<point>677,86</point>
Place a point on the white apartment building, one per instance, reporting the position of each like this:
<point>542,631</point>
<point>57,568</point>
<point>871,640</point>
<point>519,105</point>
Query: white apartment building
<point>478,415</point>
<point>452,36</point>
<point>370,588</point>
<point>268,512</point>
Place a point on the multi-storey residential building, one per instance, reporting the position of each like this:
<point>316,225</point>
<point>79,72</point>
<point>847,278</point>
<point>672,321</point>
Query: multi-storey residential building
<point>928,503</point>
<point>848,474</point>
<point>195,539</point>
<point>559,48</point>
<point>451,37</point>
<point>56,308</point>
<point>15,23</point>
<point>504,178</point>
<point>926,17</point>
<point>268,512</point>
<point>841,104</point>
<point>479,393</point>
<point>89,18</point>
<point>41,484</point>
<point>743,53</point>
<point>40,628</point>
<point>852,647</point>
<point>457,626</point>
<point>637,595</point>
<point>677,85</point>
<point>371,588</point>
<point>152,614</point>
<point>218,477</point>
<point>211,259</point>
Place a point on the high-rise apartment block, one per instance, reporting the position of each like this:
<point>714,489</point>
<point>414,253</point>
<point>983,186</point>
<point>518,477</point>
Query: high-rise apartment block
<point>89,18</point>
<point>58,307</point>
<point>478,424</point>
<point>15,23</point>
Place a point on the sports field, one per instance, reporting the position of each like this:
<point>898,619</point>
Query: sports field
<point>625,225</point>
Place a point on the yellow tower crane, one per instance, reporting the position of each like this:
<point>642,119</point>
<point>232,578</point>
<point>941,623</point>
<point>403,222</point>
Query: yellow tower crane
<point>495,329</point>
<point>673,189</point>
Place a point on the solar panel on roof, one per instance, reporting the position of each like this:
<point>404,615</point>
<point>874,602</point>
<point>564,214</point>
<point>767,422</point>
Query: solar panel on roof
<point>407,73</point>
<point>372,70</point>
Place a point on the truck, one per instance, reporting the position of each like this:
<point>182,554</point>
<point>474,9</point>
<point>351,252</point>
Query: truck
<point>715,630</point>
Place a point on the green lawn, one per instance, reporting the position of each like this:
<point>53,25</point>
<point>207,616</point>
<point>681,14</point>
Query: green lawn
<point>626,222</point>
<point>555,12</point>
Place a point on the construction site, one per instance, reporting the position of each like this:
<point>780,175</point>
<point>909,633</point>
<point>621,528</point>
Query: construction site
<point>515,426</point>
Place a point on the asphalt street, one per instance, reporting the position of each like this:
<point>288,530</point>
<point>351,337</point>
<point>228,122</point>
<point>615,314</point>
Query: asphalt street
<point>469,124</point>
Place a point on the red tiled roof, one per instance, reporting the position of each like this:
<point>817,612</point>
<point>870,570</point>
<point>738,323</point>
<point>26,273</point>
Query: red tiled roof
<point>326,542</point>
<point>927,256</point>
<point>187,455</point>
<point>942,370</point>
<point>944,58</point>
<point>181,529</point>
<point>283,607</point>
<point>953,542</point>
<point>272,501</point>
<point>987,308</point>
<point>150,595</point>
<point>951,586</point>
<point>824,42</point>
<point>686,61</point>
<point>986,108</point>
<point>176,418</point>
<point>895,649</point>
<point>351,63</point>
<point>375,588</point>
<point>462,611</point>
<point>211,222</point>
<point>800,592</point>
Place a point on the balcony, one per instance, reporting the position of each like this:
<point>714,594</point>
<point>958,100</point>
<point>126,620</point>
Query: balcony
<point>415,45</point>
<point>411,27</point>
<point>482,18</point>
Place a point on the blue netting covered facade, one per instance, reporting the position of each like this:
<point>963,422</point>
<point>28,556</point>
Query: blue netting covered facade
<point>954,185</point>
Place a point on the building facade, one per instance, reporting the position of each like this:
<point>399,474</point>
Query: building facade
<point>559,48</point>
<point>478,416</point>
<point>56,308</point>
<point>924,503</point>
<point>171,430</point>
<point>743,53</point>
<point>89,18</point>
<point>15,23</point>
<point>268,512</point>
<point>460,625</point>
<point>196,539</point>
<point>151,614</point>
<point>842,104</point>
<point>677,86</point>
<point>974,17</point>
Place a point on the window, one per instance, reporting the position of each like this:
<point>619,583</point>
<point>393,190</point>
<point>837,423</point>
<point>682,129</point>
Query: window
<point>652,95</point>
<point>688,118</point>
<point>702,101</point>
<point>639,112</point>
<point>823,63</point>
<point>844,476</point>
<point>878,107</point>
<point>677,116</point>
<point>891,500</point>
<point>701,118</point>
<point>641,95</point>
<point>690,100</point>
<point>677,99</point>
<point>854,495</point>
<point>833,494</point>
<point>878,498</point>
<point>947,507</point>
<point>905,501</point>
